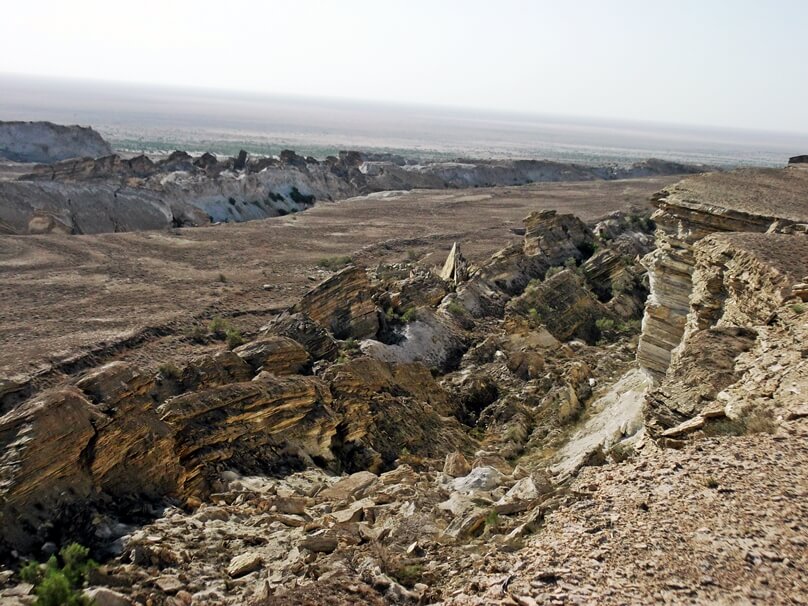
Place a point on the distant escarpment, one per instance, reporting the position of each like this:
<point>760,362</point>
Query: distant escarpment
<point>45,142</point>
<point>95,195</point>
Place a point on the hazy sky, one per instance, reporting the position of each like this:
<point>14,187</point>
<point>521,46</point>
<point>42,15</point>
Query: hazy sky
<point>733,63</point>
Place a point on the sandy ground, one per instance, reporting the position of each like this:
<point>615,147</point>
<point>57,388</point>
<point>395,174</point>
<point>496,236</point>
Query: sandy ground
<point>69,300</point>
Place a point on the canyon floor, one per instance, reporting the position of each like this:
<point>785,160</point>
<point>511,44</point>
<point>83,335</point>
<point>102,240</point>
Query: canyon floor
<point>65,297</point>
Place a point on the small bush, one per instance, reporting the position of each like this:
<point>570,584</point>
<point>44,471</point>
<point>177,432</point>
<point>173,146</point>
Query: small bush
<point>334,263</point>
<point>350,344</point>
<point>798,308</point>
<point>492,519</point>
<point>233,338</point>
<point>604,324</point>
<point>556,269</point>
<point>409,315</point>
<point>710,482</point>
<point>218,325</point>
<point>60,586</point>
<point>571,263</point>
<point>221,278</point>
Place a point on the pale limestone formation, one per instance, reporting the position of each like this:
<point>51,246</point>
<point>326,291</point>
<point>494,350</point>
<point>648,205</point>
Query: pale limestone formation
<point>739,201</point>
<point>455,269</point>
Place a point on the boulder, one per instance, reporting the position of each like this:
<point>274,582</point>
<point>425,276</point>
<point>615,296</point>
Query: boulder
<point>456,465</point>
<point>102,596</point>
<point>480,478</point>
<point>244,564</point>
<point>342,304</point>
<point>278,355</point>
<point>301,328</point>
<point>355,486</point>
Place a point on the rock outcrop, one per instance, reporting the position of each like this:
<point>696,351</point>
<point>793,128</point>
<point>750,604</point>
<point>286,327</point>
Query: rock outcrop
<point>740,352</point>
<point>343,305</point>
<point>46,142</point>
<point>738,201</point>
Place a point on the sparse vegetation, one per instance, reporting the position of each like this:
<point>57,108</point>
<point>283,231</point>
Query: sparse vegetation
<point>556,269</point>
<point>409,315</point>
<point>60,585</point>
<point>571,263</point>
<point>456,309</point>
<point>233,338</point>
<point>335,263</point>
<point>724,427</point>
<point>222,329</point>
<point>711,482</point>
<point>221,278</point>
<point>798,308</point>
<point>492,519</point>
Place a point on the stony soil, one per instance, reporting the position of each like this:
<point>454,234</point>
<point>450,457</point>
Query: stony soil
<point>723,521</point>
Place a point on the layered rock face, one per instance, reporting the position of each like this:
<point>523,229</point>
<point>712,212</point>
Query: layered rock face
<point>740,201</point>
<point>740,354</point>
<point>102,192</point>
<point>46,142</point>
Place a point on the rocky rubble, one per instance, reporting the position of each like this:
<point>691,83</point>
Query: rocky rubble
<point>484,437</point>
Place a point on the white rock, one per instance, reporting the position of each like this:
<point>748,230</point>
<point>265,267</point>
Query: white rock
<point>480,478</point>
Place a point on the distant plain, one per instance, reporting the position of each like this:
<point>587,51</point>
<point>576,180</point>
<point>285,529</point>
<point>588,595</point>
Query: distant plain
<point>155,120</point>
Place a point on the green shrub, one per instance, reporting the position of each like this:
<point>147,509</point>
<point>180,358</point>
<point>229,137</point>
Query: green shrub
<point>556,269</point>
<point>334,263</point>
<point>571,263</point>
<point>409,315</point>
<point>60,586</point>
<point>218,325</point>
<point>604,324</point>
<point>233,338</point>
<point>492,519</point>
<point>798,308</point>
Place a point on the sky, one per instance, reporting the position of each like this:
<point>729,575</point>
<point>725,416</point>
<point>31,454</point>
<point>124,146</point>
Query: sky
<point>727,63</point>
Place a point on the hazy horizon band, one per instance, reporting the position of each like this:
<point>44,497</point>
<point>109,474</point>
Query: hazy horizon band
<point>159,119</point>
